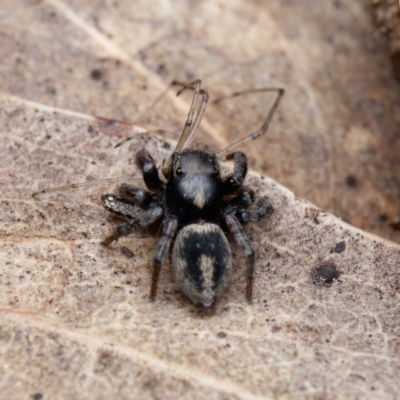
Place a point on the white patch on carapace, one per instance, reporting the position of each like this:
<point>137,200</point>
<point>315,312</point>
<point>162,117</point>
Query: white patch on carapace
<point>200,199</point>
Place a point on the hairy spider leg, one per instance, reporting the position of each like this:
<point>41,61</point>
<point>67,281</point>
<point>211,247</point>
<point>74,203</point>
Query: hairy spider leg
<point>145,219</point>
<point>138,196</point>
<point>234,181</point>
<point>255,135</point>
<point>131,202</point>
<point>149,170</point>
<point>162,249</point>
<point>132,194</point>
<point>263,211</point>
<point>120,206</point>
<point>243,201</point>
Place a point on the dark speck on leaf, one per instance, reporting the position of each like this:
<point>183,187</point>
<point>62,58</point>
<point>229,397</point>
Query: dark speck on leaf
<point>160,68</point>
<point>340,247</point>
<point>351,180</point>
<point>96,74</point>
<point>324,275</point>
<point>126,252</point>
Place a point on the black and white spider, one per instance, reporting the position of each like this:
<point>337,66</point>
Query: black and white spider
<point>192,206</point>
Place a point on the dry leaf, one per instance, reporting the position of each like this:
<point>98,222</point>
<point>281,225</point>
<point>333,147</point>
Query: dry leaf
<point>386,14</point>
<point>76,321</point>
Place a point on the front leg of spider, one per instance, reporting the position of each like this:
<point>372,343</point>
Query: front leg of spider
<point>147,218</point>
<point>131,196</point>
<point>140,197</point>
<point>149,170</point>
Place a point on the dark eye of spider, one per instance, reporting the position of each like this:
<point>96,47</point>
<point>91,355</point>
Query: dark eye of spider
<point>215,172</point>
<point>179,171</point>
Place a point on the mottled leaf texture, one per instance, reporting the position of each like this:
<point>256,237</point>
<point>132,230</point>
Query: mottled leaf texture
<point>76,321</point>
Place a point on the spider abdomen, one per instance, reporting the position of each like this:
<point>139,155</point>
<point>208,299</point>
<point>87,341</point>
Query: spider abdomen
<point>202,262</point>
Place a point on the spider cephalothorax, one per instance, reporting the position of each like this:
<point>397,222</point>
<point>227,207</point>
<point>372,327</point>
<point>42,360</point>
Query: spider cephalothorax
<point>194,191</point>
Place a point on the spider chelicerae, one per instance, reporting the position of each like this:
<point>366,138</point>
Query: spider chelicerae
<point>192,206</point>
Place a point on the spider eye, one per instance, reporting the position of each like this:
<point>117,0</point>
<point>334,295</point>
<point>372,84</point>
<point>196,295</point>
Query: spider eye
<point>179,171</point>
<point>215,172</point>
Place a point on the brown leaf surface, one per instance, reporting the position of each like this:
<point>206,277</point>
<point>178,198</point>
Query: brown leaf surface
<point>76,321</point>
<point>386,15</point>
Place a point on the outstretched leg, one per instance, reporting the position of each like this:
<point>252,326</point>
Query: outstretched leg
<point>147,218</point>
<point>191,127</point>
<point>255,135</point>
<point>242,240</point>
<point>162,250</point>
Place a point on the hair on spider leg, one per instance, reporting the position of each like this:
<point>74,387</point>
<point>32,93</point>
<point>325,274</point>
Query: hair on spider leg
<point>141,135</point>
<point>191,204</point>
<point>82,184</point>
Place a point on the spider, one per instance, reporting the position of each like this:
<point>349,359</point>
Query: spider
<point>192,206</point>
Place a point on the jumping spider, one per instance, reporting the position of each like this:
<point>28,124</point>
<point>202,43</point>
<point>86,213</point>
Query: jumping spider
<point>193,206</point>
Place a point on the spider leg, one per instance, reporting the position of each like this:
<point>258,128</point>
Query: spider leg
<point>140,197</point>
<point>184,86</point>
<point>161,251</point>
<point>149,170</point>
<point>263,211</point>
<point>147,218</point>
<point>241,239</point>
<point>190,128</point>
<point>120,206</point>
<point>200,113</point>
<point>236,178</point>
<point>239,203</point>
<point>255,135</point>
